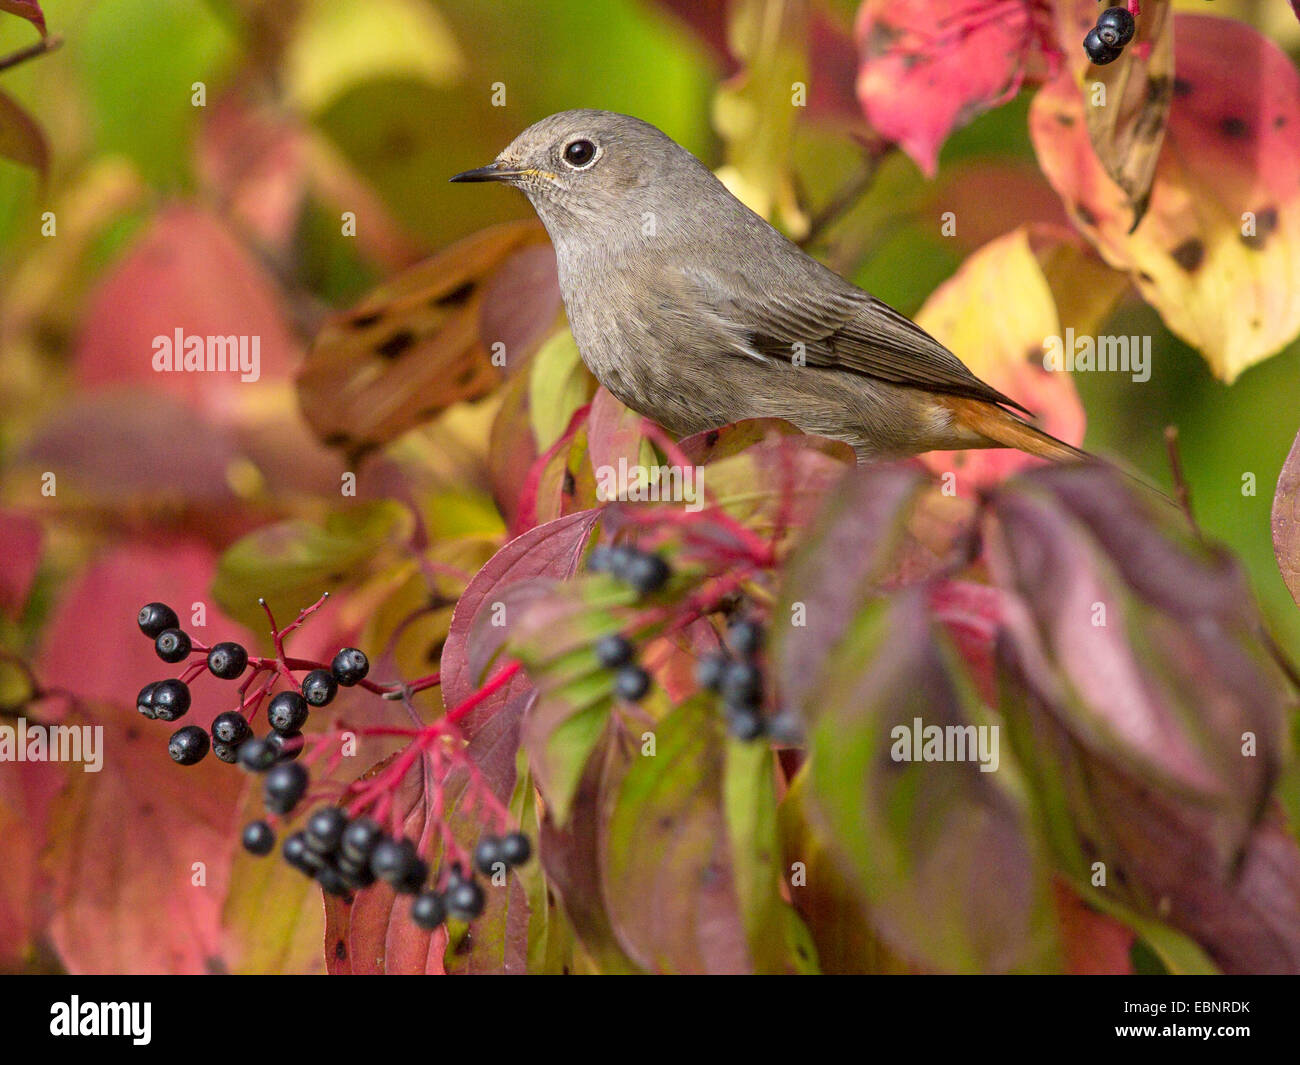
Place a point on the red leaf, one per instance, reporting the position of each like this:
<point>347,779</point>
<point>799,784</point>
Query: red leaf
<point>188,273</point>
<point>21,138</point>
<point>126,841</point>
<point>27,794</point>
<point>28,9</point>
<point>21,540</point>
<point>101,445</point>
<point>930,66</point>
<point>550,550</point>
<point>92,645</point>
<point>1094,944</point>
<point>254,161</point>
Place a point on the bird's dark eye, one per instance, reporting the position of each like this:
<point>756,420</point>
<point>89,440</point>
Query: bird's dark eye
<point>579,153</point>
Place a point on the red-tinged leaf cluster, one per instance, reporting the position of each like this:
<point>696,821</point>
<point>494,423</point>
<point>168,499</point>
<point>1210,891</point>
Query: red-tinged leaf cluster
<point>931,66</point>
<point>1126,671</point>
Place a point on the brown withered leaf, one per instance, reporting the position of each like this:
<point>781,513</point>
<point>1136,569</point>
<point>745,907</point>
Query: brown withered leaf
<point>1127,123</point>
<point>423,340</point>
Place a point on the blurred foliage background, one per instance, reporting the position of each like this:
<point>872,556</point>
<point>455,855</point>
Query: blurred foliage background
<point>312,108</point>
<point>402,90</point>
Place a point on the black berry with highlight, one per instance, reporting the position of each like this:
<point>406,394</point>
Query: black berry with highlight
<point>172,645</point>
<point>227,661</point>
<point>231,728</point>
<point>350,666</point>
<point>171,699</point>
<point>258,838</point>
<point>155,617</point>
<point>319,687</point>
<point>188,745</point>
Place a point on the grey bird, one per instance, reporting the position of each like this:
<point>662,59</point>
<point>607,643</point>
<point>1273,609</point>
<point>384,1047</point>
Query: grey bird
<point>696,313</point>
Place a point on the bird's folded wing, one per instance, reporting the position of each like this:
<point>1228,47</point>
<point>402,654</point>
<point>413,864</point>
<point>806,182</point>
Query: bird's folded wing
<point>842,328</point>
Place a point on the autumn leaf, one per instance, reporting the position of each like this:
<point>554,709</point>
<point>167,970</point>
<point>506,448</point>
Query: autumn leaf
<point>1231,151</point>
<point>1129,98</point>
<point>931,66</point>
<point>21,139</point>
<point>427,338</point>
<point>1003,339</point>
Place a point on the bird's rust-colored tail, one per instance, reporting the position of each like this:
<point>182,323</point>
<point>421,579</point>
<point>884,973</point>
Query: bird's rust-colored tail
<point>1002,428</point>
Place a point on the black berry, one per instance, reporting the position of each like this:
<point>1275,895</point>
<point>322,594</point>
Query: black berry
<point>144,701</point>
<point>742,683</point>
<point>258,838</point>
<point>188,745</point>
<point>647,573</point>
<point>227,660</point>
<point>613,651</point>
<point>428,910</point>
<point>155,617</point>
<point>257,755</point>
<point>283,786</point>
<point>172,645</point>
<point>360,839</point>
<point>225,752</point>
<point>396,862</point>
<point>319,687</point>
<point>746,637</point>
<point>1099,52</point>
<point>332,881</point>
<point>1116,27</point>
<point>710,670</point>
<point>465,900</point>
<point>619,559</point>
<point>600,559</point>
<point>357,874</point>
<point>230,728</point>
<point>350,666</point>
<point>171,699</point>
<point>631,683</point>
<point>324,828</point>
<point>286,746</point>
<point>515,849</point>
<point>300,856</point>
<point>487,855</point>
<point>745,723</point>
<point>288,712</point>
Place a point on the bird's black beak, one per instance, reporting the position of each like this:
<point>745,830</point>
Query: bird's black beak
<point>491,172</point>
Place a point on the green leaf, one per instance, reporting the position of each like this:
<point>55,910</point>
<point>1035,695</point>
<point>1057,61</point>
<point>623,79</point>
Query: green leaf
<point>290,564</point>
<point>558,384</point>
<point>669,886</point>
<point>341,43</point>
<point>946,855</point>
<point>139,61</point>
<point>778,941</point>
<point>550,937</point>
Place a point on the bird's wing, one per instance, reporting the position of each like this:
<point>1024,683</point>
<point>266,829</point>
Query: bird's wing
<point>836,326</point>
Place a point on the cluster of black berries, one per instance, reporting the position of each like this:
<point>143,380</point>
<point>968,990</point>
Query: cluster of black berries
<point>1106,40</point>
<point>232,738</point>
<point>737,676</point>
<point>643,570</point>
<point>647,573</point>
<point>346,855</point>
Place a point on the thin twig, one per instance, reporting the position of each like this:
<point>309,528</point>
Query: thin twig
<point>1182,493</point>
<point>45,44</point>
